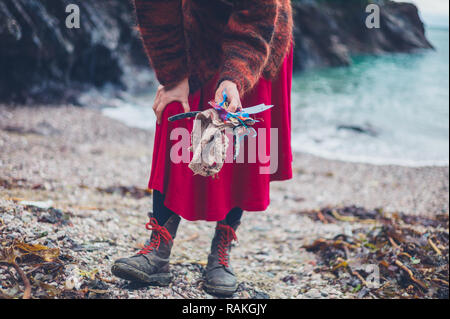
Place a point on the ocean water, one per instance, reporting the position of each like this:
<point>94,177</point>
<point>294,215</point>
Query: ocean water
<point>402,100</point>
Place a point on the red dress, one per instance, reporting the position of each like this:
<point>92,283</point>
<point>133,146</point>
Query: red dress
<point>237,184</point>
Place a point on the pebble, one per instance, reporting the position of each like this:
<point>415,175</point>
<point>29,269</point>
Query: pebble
<point>313,294</point>
<point>119,222</point>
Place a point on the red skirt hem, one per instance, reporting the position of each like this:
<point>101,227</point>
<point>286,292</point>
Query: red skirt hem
<point>248,207</point>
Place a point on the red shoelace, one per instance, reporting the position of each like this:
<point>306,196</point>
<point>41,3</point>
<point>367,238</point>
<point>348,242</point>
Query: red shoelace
<point>227,235</point>
<point>158,233</point>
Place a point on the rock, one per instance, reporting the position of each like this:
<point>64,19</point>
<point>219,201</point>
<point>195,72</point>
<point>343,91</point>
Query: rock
<point>329,33</point>
<point>7,218</point>
<point>74,280</point>
<point>26,217</point>
<point>313,294</point>
<point>363,292</point>
<point>97,285</point>
<point>54,216</point>
<point>60,235</point>
<point>49,63</point>
<point>13,236</point>
<point>367,129</point>
<point>316,277</point>
<point>40,205</point>
<point>260,295</point>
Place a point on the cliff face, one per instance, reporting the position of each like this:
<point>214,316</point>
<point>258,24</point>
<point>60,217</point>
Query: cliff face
<point>327,33</point>
<point>42,60</point>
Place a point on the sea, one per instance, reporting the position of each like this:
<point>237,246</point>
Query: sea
<point>386,109</point>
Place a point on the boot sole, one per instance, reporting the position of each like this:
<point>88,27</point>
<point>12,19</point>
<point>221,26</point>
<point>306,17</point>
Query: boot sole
<point>130,273</point>
<point>220,290</point>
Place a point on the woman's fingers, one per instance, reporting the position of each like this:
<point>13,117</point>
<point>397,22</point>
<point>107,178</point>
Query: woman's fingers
<point>232,92</point>
<point>161,106</point>
<point>234,100</point>
<point>160,109</point>
<point>219,95</point>
<point>179,93</point>
<point>157,106</point>
<point>234,105</point>
<point>157,100</point>
<point>186,107</point>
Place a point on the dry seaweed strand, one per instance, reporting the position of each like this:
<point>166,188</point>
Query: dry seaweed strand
<point>9,258</point>
<point>18,250</point>
<point>411,275</point>
<point>395,237</point>
<point>23,276</point>
<point>436,249</point>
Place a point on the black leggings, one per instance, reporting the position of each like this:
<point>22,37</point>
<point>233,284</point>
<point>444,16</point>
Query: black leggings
<point>162,213</point>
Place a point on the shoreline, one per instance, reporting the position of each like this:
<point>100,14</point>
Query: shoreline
<point>319,154</point>
<point>87,147</point>
<point>95,170</point>
<point>377,161</point>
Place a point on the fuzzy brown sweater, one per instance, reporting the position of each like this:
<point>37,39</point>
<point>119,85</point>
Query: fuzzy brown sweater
<point>238,40</point>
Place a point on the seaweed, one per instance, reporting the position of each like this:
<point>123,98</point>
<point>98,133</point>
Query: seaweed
<point>396,256</point>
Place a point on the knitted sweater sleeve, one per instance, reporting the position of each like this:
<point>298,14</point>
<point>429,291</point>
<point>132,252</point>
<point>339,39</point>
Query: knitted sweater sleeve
<point>160,23</point>
<point>246,43</point>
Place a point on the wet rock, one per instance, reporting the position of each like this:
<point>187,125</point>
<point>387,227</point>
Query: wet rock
<point>260,295</point>
<point>367,129</point>
<point>47,62</point>
<point>54,216</point>
<point>97,285</point>
<point>328,34</point>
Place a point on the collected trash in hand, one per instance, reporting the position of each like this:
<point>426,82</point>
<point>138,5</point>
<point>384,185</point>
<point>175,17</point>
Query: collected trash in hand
<point>209,139</point>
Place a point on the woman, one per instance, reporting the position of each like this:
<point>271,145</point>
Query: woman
<point>200,49</point>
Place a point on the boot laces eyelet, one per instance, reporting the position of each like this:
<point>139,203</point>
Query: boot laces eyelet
<point>159,232</point>
<point>227,236</point>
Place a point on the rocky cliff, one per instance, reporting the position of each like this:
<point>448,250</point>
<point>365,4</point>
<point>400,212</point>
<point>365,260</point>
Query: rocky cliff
<point>328,33</point>
<point>42,60</point>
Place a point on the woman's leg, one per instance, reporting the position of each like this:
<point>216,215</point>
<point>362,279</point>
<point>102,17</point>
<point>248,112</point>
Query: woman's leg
<point>234,216</point>
<point>151,264</point>
<point>160,211</point>
<point>219,276</point>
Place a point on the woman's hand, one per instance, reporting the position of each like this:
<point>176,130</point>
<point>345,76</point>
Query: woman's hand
<point>232,96</point>
<point>178,93</point>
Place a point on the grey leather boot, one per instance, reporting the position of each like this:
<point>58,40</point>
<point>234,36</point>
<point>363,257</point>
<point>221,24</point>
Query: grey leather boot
<point>219,276</point>
<point>151,264</point>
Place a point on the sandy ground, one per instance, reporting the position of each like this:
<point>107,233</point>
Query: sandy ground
<point>66,154</point>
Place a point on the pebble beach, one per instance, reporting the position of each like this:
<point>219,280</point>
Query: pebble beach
<point>93,172</point>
